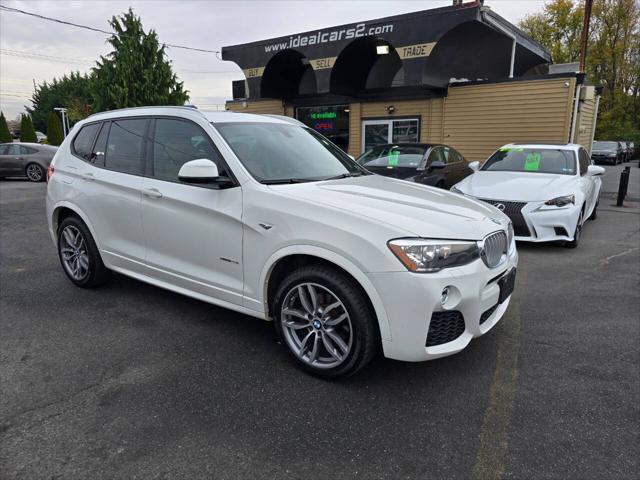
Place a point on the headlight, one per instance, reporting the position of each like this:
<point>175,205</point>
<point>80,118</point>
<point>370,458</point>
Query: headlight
<point>422,256</point>
<point>562,201</point>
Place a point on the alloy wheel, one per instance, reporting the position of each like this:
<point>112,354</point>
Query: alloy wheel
<point>34,172</point>
<point>316,325</point>
<point>74,254</point>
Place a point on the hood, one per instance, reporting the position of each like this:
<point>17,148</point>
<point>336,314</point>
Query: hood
<point>412,208</point>
<point>517,186</point>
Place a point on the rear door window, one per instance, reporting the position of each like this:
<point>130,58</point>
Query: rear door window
<point>125,146</point>
<point>83,141</point>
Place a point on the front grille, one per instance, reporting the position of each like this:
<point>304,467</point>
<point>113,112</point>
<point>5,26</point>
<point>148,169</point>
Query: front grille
<point>445,327</point>
<point>513,210</point>
<point>485,316</point>
<point>494,247</point>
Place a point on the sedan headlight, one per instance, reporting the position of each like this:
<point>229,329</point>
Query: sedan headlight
<point>426,256</point>
<point>562,201</point>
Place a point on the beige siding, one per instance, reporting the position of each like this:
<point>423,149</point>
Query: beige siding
<point>273,107</point>
<point>584,125</point>
<point>355,113</point>
<point>480,118</point>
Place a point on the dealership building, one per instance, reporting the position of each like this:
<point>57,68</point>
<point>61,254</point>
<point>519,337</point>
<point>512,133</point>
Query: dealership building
<point>460,75</point>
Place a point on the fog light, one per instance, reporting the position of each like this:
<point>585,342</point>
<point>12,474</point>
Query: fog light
<point>445,296</point>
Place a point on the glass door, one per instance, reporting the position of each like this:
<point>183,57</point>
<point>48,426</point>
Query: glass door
<point>375,132</point>
<point>380,132</point>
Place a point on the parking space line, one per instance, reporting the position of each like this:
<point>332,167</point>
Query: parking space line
<point>490,459</point>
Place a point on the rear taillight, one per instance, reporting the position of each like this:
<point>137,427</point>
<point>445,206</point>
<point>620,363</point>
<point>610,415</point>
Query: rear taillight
<point>50,171</point>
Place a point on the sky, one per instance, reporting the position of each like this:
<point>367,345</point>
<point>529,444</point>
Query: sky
<point>27,44</point>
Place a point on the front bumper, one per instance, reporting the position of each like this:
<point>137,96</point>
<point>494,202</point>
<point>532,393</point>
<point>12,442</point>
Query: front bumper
<point>549,224</point>
<point>410,300</point>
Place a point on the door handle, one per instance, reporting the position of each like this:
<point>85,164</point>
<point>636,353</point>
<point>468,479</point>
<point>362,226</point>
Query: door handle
<point>19,158</point>
<point>88,177</point>
<point>151,193</point>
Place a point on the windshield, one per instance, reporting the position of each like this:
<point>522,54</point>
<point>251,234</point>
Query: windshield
<point>532,160</point>
<point>605,145</point>
<point>408,156</point>
<point>278,153</point>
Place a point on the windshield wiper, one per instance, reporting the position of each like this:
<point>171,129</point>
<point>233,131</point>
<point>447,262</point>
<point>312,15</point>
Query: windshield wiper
<point>345,175</point>
<point>279,181</point>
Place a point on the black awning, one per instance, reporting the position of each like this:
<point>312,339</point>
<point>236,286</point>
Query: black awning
<point>423,49</point>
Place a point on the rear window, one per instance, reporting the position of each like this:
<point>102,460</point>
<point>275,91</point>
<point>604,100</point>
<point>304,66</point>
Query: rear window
<point>605,145</point>
<point>393,156</point>
<point>532,160</point>
<point>83,141</point>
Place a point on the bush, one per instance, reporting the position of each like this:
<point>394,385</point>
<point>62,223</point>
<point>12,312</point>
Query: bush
<point>5,134</point>
<point>55,135</point>
<point>27,132</point>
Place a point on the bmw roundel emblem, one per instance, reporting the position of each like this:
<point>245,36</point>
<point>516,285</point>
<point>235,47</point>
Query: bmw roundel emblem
<point>317,324</point>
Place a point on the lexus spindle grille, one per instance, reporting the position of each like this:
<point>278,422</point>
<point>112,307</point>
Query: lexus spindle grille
<point>445,327</point>
<point>495,247</point>
<point>513,210</point>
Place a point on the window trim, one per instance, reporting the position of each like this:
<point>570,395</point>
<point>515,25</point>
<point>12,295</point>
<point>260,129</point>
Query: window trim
<point>149,166</point>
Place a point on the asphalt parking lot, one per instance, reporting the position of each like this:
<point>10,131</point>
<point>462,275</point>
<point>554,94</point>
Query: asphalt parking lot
<point>131,381</point>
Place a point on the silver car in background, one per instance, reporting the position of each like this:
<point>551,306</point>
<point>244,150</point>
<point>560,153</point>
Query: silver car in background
<point>29,160</point>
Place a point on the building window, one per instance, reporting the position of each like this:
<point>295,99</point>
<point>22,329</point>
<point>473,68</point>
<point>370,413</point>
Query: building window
<point>331,121</point>
<point>380,132</point>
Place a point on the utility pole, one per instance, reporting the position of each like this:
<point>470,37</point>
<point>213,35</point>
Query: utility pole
<point>63,111</point>
<point>584,38</point>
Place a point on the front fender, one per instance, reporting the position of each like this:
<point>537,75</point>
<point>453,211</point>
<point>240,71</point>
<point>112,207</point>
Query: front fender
<point>339,260</point>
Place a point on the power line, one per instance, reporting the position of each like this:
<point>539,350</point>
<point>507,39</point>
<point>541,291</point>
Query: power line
<point>94,29</point>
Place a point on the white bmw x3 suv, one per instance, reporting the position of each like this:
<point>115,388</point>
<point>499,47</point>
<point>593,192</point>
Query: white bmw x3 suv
<point>268,218</point>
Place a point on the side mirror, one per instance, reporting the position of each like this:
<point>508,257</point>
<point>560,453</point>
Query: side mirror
<point>475,166</point>
<point>199,171</point>
<point>437,165</point>
<point>594,170</point>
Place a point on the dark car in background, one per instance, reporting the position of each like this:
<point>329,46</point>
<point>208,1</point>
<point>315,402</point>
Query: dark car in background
<point>607,152</point>
<point>29,160</point>
<point>430,164</point>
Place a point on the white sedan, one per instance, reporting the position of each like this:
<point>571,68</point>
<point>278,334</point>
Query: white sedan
<point>546,190</point>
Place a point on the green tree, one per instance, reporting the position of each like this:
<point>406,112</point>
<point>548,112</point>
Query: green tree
<point>136,72</point>
<point>27,132</point>
<point>71,91</point>
<point>54,130</point>
<point>5,134</point>
<point>613,55</point>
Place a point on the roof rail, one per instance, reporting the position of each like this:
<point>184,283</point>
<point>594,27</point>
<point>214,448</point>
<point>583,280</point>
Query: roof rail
<point>179,107</point>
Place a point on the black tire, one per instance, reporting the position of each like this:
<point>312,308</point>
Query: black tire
<point>594,213</point>
<point>97,274</point>
<point>578,233</point>
<point>34,172</point>
<point>440,184</point>
<point>365,338</point>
